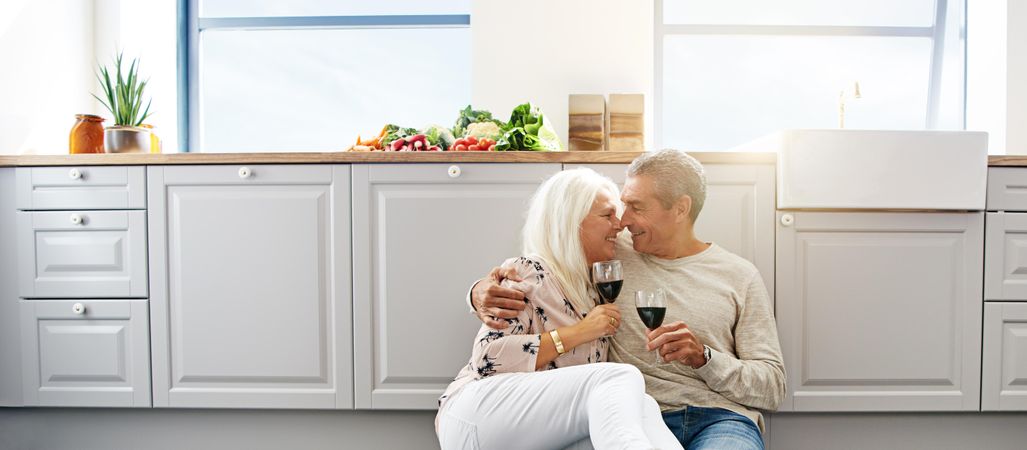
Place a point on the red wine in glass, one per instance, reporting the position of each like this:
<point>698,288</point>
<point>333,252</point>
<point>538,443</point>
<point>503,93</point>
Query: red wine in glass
<point>607,276</point>
<point>609,290</point>
<point>651,307</point>
<point>652,316</point>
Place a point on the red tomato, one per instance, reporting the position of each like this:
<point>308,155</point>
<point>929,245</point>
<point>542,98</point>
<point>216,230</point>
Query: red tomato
<point>492,148</point>
<point>472,148</point>
<point>471,140</point>
<point>460,147</point>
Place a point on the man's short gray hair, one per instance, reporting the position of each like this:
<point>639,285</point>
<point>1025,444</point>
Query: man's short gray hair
<point>674,174</point>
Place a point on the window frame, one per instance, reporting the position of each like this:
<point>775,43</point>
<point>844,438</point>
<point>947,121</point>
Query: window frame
<point>190,25</point>
<point>936,32</point>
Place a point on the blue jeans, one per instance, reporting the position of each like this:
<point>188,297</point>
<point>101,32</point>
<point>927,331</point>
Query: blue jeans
<point>713,428</point>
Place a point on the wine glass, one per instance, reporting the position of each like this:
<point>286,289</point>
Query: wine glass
<point>607,276</point>
<point>651,307</point>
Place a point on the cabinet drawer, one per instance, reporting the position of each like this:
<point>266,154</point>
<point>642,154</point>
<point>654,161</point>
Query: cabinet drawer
<point>1005,256</point>
<point>1007,189</point>
<point>75,254</point>
<point>1004,376</point>
<point>85,352</point>
<point>460,173</point>
<point>108,187</point>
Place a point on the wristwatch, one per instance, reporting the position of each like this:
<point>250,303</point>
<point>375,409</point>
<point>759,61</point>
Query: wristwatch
<point>707,353</point>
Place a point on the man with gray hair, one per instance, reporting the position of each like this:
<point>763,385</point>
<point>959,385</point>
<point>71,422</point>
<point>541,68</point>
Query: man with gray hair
<point>722,357</point>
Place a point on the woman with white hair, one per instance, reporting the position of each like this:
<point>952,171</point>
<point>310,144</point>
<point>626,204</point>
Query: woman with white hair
<point>542,382</point>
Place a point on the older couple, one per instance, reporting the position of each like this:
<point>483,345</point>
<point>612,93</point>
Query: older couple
<point>538,378</point>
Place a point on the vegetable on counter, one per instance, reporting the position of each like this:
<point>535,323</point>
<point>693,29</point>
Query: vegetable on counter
<point>477,130</point>
<point>470,116</point>
<point>486,130</point>
<point>415,143</point>
<point>528,129</point>
<point>473,144</point>
<point>440,136</point>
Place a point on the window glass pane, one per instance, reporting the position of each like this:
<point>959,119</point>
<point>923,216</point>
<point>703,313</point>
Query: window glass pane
<point>315,90</point>
<point>298,8</point>
<point>800,12</point>
<point>721,91</point>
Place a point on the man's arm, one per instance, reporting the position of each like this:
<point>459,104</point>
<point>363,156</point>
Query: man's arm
<point>755,375</point>
<point>492,302</point>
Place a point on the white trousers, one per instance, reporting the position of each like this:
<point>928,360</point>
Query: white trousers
<point>604,403</point>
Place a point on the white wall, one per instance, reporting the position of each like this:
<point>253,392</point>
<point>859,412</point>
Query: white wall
<point>542,51</point>
<point>51,49</point>
<point>530,50</point>
<point>47,50</point>
<point>986,71</point>
<point>1016,73</point>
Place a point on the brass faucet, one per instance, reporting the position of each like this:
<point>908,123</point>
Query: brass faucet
<point>845,93</point>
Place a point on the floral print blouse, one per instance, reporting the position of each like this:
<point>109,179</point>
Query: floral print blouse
<point>515,348</point>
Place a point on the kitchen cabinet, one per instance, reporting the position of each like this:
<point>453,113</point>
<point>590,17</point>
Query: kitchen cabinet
<point>880,311</point>
<point>422,233</point>
<point>10,325</point>
<point>738,214</point>
<point>85,352</point>
<point>1004,375</point>
<point>81,238</point>
<point>250,286</point>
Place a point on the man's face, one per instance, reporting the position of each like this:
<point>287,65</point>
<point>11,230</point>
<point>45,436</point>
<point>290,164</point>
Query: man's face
<point>651,225</point>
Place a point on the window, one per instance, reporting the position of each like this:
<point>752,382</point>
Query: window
<point>311,76</point>
<point>731,71</point>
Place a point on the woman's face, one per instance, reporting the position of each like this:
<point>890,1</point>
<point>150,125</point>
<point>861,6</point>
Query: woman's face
<point>599,229</point>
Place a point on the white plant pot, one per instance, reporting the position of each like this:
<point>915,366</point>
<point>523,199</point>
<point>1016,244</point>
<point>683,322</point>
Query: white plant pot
<point>125,139</point>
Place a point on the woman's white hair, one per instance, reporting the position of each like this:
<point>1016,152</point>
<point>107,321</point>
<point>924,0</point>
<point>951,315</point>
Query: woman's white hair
<point>552,230</point>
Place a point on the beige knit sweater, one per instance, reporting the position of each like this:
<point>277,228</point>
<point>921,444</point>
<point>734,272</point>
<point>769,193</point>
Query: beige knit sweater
<point>722,299</point>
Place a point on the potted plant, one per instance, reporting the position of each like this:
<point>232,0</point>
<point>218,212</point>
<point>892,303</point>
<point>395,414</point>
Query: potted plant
<point>124,99</point>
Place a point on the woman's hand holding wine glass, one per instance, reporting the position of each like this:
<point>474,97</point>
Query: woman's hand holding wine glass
<point>603,320</point>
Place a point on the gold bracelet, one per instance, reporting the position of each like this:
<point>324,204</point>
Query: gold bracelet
<point>559,343</point>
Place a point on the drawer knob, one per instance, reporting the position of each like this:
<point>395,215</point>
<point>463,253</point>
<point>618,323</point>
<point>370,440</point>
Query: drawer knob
<point>454,171</point>
<point>77,219</point>
<point>78,308</point>
<point>74,174</point>
<point>787,220</point>
<point>245,172</point>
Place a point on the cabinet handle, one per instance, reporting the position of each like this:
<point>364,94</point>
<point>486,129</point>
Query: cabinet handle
<point>454,171</point>
<point>74,174</point>
<point>77,219</point>
<point>78,308</point>
<point>245,172</point>
<point>787,220</point>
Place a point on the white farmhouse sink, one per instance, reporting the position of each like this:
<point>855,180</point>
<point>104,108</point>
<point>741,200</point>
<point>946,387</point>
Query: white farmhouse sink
<point>878,169</point>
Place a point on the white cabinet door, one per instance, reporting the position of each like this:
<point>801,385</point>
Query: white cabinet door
<point>1004,382</point>
<point>422,233</point>
<point>250,305</point>
<point>738,214</point>
<point>880,311</point>
<point>85,353</point>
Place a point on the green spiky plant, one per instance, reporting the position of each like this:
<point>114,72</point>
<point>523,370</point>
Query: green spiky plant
<point>125,95</point>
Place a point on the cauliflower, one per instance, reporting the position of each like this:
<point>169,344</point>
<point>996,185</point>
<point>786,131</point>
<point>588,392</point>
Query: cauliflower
<point>488,130</point>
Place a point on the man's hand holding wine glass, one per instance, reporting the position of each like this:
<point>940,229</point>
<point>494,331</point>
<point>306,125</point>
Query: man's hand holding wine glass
<point>677,343</point>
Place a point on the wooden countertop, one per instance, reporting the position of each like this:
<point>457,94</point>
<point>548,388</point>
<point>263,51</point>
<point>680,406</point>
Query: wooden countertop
<point>401,157</point>
<point>1007,161</point>
<point>367,157</point>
